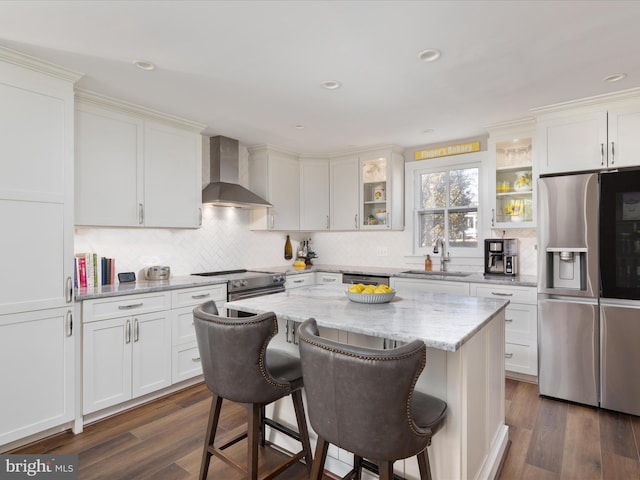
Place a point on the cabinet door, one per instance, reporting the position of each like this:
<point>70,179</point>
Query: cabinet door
<point>151,359</point>
<point>314,194</point>
<point>172,176</point>
<point>284,191</point>
<point>109,168</point>
<point>573,143</point>
<point>106,363</point>
<point>344,193</point>
<point>325,278</point>
<point>624,141</point>
<point>37,372</point>
<point>299,280</point>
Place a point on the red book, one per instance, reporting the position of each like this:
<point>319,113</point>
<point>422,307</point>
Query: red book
<point>82,272</point>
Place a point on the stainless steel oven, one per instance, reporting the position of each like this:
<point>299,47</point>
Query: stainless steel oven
<point>243,284</point>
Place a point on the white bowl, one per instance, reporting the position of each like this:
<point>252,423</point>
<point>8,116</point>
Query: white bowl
<point>371,297</point>
<point>381,216</point>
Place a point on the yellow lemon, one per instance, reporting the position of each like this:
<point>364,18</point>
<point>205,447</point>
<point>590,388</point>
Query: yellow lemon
<point>354,289</point>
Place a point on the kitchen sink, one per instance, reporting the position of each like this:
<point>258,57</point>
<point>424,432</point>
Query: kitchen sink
<point>438,274</point>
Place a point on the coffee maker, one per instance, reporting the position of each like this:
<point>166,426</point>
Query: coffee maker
<point>501,256</point>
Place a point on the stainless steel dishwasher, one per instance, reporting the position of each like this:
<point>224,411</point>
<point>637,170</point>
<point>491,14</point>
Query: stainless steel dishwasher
<point>354,278</point>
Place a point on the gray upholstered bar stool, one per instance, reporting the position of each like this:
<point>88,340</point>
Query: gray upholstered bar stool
<point>363,401</point>
<point>238,366</point>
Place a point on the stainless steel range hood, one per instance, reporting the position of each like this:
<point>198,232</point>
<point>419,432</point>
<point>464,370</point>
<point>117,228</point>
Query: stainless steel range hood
<point>224,189</point>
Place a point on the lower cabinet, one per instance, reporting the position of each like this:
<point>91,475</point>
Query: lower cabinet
<point>124,358</point>
<point>298,280</point>
<point>37,370</point>
<point>521,325</point>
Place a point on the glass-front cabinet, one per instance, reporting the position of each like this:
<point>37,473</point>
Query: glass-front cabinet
<point>513,181</point>
<point>382,177</point>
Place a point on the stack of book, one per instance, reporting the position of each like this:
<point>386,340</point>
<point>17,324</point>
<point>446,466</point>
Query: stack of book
<point>93,271</point>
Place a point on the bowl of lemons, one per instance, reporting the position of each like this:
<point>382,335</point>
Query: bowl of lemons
<point>361,293</point>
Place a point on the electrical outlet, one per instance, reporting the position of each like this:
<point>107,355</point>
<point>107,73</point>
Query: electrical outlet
<point>382,251</point>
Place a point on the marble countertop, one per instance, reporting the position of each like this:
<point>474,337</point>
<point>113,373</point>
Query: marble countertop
<point>442,321</point>
<point>472,277</point>
<point>146,286</point>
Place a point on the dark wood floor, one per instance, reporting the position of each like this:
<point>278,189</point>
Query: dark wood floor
<point>163,440</point>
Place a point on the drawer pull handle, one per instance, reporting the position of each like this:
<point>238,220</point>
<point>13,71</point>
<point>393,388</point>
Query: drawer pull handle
<point>508,355</point>
<point>130,306</point>
<point>298,281</point>
<point>500,294</point>
<point>508,320</point>
<point>204,295</point>
<point>195,359</point>
<point>328,280</point>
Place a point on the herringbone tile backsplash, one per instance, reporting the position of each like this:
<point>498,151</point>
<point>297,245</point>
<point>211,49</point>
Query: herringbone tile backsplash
<point>225,242</point>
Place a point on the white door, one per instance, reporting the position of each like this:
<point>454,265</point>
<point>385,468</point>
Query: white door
<point>36,368</point>
<point>106,361</point>
<point>624,125</point>
<point>151,361</point>
<point>284,191</point>
<point>344,198</point>
<point>314,194</point>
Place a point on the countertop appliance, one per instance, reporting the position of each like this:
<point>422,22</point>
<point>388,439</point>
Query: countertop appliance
<point>243,283</point>
<point>157,272</point>
<point>588,291</point>
<point>501,256</point>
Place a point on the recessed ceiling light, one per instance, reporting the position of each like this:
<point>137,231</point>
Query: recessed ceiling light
<point>615,78</point>
<point>428,130</point>
<point>429,55</point>
<point>300,127</point>
<point>144,65</point>
<point>330,84</point>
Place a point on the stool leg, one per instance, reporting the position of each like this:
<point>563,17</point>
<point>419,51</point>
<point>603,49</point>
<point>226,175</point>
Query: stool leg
<point>318,463</point>
<point>263,430</point>
<point>423,465</point>
<point>253,437</point>
<point>385,470</point>
<point>214,416</point>
<point>302,428</point>
<point>357,467</point>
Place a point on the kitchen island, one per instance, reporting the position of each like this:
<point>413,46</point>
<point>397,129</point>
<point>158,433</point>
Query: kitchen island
<point>465,365</point>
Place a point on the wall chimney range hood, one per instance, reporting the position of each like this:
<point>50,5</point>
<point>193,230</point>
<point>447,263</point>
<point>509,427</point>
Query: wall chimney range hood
<point>224,189</point>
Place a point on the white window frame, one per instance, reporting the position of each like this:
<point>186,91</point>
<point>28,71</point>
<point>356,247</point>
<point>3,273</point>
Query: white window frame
<point>415,169</point>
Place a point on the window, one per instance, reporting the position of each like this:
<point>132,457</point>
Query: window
<point>447,204</point>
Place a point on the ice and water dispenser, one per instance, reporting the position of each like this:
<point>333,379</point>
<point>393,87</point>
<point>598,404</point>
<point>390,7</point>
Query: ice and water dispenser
<point>567,268</point>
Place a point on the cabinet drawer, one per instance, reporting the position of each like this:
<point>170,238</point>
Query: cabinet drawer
<point>521,323</point>
<point>186,362</point>
<point>328,278</point>
<point>113,307</point>
<point>197,295</point>
<point>514,294</point>
<point>521,358</point>
<point>297,281</point>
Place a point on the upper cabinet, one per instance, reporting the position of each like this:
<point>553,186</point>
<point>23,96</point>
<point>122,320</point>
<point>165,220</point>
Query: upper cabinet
<point>589,134</point>
<point>135,167</point>
<point>381,195</point>
<point>344,194</point>
<point>512,181</point>
<point>314,194</point>
<point>275,176</point>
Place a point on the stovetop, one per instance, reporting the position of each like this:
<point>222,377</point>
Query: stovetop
<point>242,279</point>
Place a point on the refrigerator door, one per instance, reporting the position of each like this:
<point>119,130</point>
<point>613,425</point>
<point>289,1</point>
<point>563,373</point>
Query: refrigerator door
<point>568,358</point>
<point>568,228</point>
<point>620,333</point>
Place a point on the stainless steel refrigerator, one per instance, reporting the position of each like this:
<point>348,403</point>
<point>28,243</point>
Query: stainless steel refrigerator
<point>568,326</point>
<point>589,289</point>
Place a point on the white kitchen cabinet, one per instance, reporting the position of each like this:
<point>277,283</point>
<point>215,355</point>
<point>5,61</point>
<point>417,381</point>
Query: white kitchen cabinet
<point>589,134</point>
<point>328,278</point>
<point>512,181</point>
<point>185,357</point>
<point>298,280</point>
<point>37,342</point>
<point>314,194</point>
<point>275,176</point>
<point>401,284</point>
<point>126,348</point>
<point>521,325</point>
<point>344,198</point>
<point>381,190</point>
<point>135,167</point>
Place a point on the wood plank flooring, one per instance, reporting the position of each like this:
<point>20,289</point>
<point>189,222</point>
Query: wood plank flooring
<point>163,440</point>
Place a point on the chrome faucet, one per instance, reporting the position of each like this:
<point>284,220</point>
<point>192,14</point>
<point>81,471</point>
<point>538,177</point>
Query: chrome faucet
<point>439,247</point>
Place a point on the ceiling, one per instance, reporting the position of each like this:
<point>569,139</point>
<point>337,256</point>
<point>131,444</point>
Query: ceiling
<point>253,70</point>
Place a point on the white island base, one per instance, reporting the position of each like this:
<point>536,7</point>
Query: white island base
<point>470,379</point>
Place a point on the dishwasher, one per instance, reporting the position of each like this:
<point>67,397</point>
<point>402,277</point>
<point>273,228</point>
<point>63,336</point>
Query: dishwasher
<point>354,278</point>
